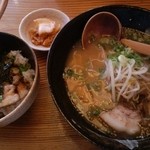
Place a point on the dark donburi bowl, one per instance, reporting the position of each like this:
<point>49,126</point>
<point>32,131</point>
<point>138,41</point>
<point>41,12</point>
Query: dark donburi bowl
<point>133,17</point>
<point>10,42</point>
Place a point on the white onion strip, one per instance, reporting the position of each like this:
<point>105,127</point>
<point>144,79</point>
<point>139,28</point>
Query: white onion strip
<point>112,79</point>
<point>126,81</point>
<point>141,71</point>
<point>118,77</point>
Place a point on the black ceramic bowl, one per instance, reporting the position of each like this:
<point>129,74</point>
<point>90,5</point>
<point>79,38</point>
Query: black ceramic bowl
<point>133,17</point>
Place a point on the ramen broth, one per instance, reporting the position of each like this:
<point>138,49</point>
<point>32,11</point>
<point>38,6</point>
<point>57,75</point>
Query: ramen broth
<point>109,84</point>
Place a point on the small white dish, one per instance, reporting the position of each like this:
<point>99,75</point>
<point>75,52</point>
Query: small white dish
<point>51,13</point>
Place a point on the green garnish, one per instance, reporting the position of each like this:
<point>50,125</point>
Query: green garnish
<point>136,35</point>
<point>93,112</point>
<point>25,67</point>
<point>120,49</point>
<point>110,43</point>
<point>1,98</point>
<point>1,93</point>
<point>69,73</point>
<point>96,86</point>
<point>107,42</point>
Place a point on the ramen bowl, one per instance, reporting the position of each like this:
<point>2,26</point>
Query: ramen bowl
<point>46,20</point>
<point>11,111</point>
<point>129,16</point>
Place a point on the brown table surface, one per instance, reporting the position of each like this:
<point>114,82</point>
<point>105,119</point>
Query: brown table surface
<point>43,127</point>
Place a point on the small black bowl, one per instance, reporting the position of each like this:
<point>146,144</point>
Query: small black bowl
<point>129,16</point>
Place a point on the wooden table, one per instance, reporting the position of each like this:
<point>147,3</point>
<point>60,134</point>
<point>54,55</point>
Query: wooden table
<point>43,127</point>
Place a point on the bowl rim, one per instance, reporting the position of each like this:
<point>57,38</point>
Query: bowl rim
<point>6,119</point>
<point>28,15</point>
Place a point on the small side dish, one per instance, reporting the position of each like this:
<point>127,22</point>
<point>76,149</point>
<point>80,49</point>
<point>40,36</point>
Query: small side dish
<point>16,79</point>
<point>40,27</point>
